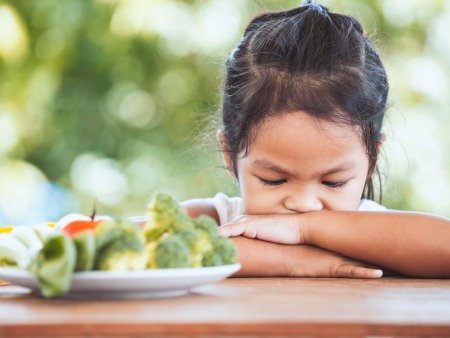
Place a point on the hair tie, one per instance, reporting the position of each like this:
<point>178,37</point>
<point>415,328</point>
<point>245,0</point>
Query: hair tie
<point>315,6</point>
<point>364,34</point>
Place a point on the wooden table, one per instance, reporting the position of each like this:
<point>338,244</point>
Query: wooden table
<point>245,307</point>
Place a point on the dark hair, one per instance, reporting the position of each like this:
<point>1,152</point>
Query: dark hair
<point>305,59</point>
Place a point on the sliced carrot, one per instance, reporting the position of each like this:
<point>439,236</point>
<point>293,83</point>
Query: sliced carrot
<point>74,227</point>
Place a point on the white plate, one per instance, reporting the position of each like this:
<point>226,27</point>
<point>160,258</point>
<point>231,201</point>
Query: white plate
<point>157,283</point>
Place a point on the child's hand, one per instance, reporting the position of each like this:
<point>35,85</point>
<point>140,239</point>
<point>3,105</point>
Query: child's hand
<point>322,263</point>
<point>265,259</point>
<point>279,228</point>
<point>286,229</point>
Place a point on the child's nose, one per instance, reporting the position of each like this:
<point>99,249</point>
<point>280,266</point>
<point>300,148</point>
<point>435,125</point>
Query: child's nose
<point>303,201</point>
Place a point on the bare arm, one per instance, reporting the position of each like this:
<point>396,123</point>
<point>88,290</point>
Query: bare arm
<point>413,244</point>
<point>265,259</point>
<point>197,207</point>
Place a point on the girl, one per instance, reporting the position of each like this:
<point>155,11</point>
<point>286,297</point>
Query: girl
<point>303,105</point>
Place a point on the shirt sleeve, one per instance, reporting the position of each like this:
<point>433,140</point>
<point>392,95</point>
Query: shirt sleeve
<point>369,205</point>
<point>228,208</point>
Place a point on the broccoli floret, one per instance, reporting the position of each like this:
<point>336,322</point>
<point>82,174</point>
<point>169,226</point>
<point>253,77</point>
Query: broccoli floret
<point>225,248</point>
<point>164,215</point>
<point>207,225</point>
<point>126,252</point>
<point>221,250</point>
<point>202,246</point>
<point>181,241</point>
<point>223,253</point>
<point>191,239</point>
<point>106,232</point>
<point>211,258</point>
<point>169,252</point>
<point>198,243</point>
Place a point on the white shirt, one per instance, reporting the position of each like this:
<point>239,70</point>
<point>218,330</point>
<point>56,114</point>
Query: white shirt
<point>229,208</point>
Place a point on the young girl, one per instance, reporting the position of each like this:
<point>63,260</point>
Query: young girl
<point>303,106</point>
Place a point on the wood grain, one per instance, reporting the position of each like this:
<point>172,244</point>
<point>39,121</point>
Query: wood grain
<point>246,307</point>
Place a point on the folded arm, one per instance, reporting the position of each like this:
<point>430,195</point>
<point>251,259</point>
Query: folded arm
<point>265,259</point>
<point>413,244</point>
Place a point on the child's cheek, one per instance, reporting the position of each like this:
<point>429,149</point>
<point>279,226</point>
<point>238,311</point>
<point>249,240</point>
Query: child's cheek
<point>260,204</point>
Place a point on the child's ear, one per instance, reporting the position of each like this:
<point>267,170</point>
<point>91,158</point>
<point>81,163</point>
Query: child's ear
<point>226,156</point>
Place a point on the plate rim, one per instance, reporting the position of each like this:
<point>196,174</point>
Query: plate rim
<point>158,283</point>
<point>100,274</point>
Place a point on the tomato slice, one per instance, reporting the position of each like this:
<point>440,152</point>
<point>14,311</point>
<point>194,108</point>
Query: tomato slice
<point>74,227</point>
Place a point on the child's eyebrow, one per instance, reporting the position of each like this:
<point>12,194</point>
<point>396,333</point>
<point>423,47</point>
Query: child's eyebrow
<point>268,165</point>
<point>339,168</point>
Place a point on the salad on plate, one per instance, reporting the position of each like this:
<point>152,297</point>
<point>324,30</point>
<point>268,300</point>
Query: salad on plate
<point>167,239</point>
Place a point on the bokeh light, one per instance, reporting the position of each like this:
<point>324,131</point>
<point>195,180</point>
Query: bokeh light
<point>13,38</point>
<point>107,101</point>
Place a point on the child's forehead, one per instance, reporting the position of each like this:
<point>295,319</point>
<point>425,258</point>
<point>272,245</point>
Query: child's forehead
<point>298,137</point>
<point>302,125</point>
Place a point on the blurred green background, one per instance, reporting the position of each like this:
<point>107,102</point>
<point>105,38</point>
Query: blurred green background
<point>110,101</point>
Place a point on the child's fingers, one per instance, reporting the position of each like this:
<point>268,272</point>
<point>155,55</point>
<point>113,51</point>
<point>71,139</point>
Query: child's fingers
<point>258,229</point>
<point>352,271</point>
<point>243,226</point>
<point>238,229</point>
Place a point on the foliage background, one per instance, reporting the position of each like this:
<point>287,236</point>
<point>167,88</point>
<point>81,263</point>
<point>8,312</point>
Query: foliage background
<point>110,101</point>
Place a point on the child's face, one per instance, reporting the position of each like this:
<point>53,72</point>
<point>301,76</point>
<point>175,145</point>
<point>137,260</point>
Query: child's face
<point>297,164</point>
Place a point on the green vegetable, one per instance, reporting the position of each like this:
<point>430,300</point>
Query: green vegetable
<point>125,252</point>
<point>195,242</point>
<point>212,258</point>
<point>226,250</point>
<point>85,245</point>
<point>207,225</point>
<point>223,253</point>
<point>176,240</point>
<point>170,252</point>
<point>164,215</point>
<point>170,239</point>
<point>55,264</point>
<point>106,232</point>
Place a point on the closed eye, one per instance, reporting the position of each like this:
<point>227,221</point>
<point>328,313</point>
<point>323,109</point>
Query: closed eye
<point>271,182</point>
<point>334,184</point>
